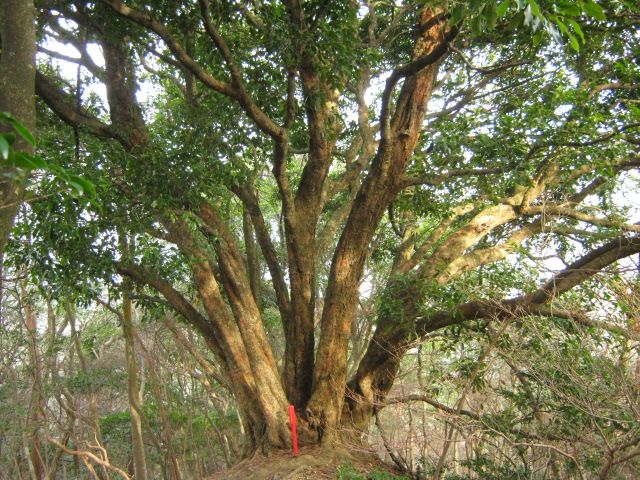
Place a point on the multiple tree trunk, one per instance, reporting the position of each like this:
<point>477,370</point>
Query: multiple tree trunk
<point>314,379</point>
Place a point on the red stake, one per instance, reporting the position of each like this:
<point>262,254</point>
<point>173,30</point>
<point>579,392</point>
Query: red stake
<point>294,431</point>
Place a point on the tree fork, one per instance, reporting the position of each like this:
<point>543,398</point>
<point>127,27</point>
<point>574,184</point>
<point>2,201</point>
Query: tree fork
<point>398,140</point>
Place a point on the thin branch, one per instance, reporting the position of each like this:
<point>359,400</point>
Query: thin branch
<point>612,86</point>
<point>553,210</point>
<point>175,298</point>
<point>232,91</point>
<point>617,166</point>
<point>164,75</point>
<point>397,459</point>
<point>221,45</point>
<point>435,180</point>
<point>600,139</point>
<point>290,115</point>
<point>437,405</point>
<point>87,456</point>
<point>249,199</point>
<point>491,69</point>
<point>433,239</point>
<point>581,319</point>
<point>251,17</point>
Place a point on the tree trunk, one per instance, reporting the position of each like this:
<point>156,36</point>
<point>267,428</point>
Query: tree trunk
<point>243,344</point>
<point>133,390</point>
<point>36,406</point>
<point>399,135</point>
<point>17,96</point>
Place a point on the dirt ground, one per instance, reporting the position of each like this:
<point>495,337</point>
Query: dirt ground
<point>313,463</point>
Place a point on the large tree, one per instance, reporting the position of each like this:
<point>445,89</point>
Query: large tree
<point>290,150</point>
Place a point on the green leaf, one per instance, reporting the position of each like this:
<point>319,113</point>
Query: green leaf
<point>474,5</point>
<point>537,38</point>
<point>573,41</point>
<point>535,8</point>
<point>81,185</point>
<point>39,162</point>
<point>502,8</point>
<point>19,127</point>
<point>77,188</point>
<point>562,26</point>
<point>594,10</point>
<point>23,160</point>
<point>477,26</point>
<point>4,148</point>
<point>457,14</point>
<point>570,9</point>
<point>576,28</point>
<point>24,133</point>
<point>491,16</point>
<point>28,161</point>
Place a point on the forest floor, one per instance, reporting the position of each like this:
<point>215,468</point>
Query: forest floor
<point>313,463</point>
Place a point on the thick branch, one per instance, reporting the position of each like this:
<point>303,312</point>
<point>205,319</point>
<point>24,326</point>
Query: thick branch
<point>177,301</point>
<point>248,198</point>
<point>584,268</point>
<point>532,304</point>
<point>407,70</point>
<point>85,60</point>
<point>612,86</point>
<point>64,106</point>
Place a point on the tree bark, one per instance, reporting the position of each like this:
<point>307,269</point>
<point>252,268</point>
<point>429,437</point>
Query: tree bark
<point>399,138</point>
<point>251,252</point>
<point>133,389</point>
<point>17,94</point>
<point>37,401</point>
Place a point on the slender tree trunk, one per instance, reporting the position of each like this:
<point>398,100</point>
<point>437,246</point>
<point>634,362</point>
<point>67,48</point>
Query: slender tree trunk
<point>133,390</point>
<point>93,397</point>
<point>133,384</point>
<point>36,406</point>
<point>253,264</point>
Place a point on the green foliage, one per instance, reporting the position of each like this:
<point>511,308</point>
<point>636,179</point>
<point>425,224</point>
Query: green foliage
<point>347,471</point>
<point>116,425</point>
<point>558,19</point>
<point>96,378</point>
<point>486,468</point>
<point>21,164</point>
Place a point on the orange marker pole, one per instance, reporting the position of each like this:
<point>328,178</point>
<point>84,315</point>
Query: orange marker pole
<point>294,431</point>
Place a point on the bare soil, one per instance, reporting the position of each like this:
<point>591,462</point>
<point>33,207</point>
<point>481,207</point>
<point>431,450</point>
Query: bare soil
<point>313,463</point>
